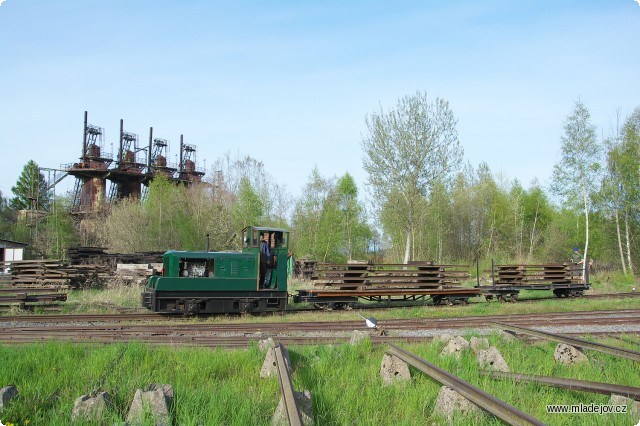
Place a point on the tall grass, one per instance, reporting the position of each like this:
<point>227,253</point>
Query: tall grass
<point>214,387</point>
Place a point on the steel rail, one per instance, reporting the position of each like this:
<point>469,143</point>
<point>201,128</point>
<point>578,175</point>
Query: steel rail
<point>345,326</point>
<point>286,386</point>
<point>600,347</point>
<point>571,384</point>
<point>490,403</point>
<point>179,317</point>
<point>20,336</point>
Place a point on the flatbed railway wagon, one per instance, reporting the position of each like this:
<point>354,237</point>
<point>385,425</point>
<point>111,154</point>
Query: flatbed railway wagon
<point>202,282</point>
<point>343,285</point>
<point>564,279</point>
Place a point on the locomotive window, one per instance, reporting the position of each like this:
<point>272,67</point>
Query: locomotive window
<point>196,267</point>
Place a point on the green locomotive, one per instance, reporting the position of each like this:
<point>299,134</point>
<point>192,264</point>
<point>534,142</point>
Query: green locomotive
<point>200,282</point>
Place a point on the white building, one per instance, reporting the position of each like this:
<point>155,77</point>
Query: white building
<point>10,251</point>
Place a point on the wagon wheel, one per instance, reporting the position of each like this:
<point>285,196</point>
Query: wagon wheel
<point>436,299</point>
<point>488,297</point>
<point>513,298</point>
<point>501,298</point>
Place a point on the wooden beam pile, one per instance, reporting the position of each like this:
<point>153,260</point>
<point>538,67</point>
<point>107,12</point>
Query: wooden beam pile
<point>399,275</point>
<point>137,273</point>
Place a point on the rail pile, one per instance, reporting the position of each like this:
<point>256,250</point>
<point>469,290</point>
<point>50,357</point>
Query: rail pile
<point>52,272</point>
<point>29,298</point>
<point>361,276</point>
<point>98,256</point>
<point>304,268</point>
<point>550,273</point>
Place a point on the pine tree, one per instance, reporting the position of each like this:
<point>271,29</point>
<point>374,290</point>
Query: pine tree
<point>30,191</point>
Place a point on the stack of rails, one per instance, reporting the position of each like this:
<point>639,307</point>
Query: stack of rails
<point>54,272</point>
<point>564,279</point>
<point>545,274</point>
<point>344,283</point>
<point>305,268</point>
<point>354,276</point>
<point>29,298</point>
<point>98,256</point>
<point>80,255</point>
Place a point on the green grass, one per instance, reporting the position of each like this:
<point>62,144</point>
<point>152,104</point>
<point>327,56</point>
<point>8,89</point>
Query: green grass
<point>214,387</point>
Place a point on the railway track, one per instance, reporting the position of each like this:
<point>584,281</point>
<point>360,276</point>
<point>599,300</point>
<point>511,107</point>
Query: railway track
<point>234,334</point>
<point>124,317</point>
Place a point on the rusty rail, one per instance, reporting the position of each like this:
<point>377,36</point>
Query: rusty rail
<point>571,384</point>
<point>286,387</point>
<point>600,347</point>
<point>495,406</point>
<point>25,297</point>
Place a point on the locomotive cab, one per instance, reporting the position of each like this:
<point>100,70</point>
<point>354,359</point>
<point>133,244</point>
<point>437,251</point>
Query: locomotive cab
<point>270,245</point>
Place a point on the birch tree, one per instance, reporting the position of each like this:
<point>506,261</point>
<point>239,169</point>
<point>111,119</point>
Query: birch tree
<point>575,176</point>
<point>406,149</point>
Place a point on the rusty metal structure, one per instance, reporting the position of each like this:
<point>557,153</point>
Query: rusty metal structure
<point>92,170</point>
<point>188,172</point>
<point>130,172</point>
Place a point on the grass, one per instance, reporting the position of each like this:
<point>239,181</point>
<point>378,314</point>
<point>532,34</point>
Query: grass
<point>215,387</point>
<point>222,387</point>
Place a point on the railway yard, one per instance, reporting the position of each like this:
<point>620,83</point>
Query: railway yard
<point>301,344</point>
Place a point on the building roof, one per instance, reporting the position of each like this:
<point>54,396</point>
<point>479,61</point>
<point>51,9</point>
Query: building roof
<point>10,244</point>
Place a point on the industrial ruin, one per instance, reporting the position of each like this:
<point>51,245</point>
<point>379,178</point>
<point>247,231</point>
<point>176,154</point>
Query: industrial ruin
<point>129,173</point>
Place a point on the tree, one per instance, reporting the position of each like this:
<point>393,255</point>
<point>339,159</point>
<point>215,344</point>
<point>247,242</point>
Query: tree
<point>317,220</point>
<point>620,193</point>
<point>575,177</point>
<point>30,190</point>
<point>355,231</point>
<point>230,172</point>
<point>248,208</point>
<point>7,218</point>
<point>406,149</point>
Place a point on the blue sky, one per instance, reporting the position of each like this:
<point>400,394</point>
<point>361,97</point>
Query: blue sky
<point>290,83</point>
